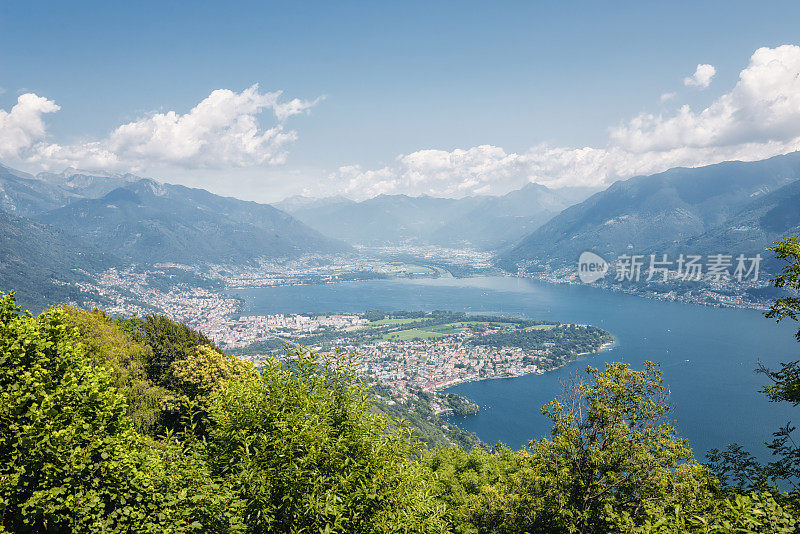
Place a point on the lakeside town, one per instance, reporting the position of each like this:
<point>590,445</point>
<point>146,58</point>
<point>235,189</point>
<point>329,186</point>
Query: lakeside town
<point>424,354</point>
<point>199,294</point>
<point>706,290</point>
<point>205,297</point>
<point>410,351</point>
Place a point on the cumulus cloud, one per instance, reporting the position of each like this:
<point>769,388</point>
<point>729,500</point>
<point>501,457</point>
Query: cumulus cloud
<point>23,126</point>
<point>295,106</point>
<point>758,118</point>
<point>223,130</point>
<point>436,172</point>
<point>667,96</point>
<point>702,76</point>
<point>764,106</point>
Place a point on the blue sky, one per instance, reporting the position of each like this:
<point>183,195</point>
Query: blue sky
<point>397,78</point>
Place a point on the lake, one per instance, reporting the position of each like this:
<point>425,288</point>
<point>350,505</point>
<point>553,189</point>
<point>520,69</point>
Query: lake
<point>707,354</point>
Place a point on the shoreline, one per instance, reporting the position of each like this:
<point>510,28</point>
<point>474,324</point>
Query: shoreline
<point>444,414</point>
<point>651,295</point>
<point>605,347</point>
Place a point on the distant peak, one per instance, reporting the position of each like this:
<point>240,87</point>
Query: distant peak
<point>298,202</point>
<point>535,185</point>
<point>122,194</point>
<point>69,172</point>
<point>148,186</point>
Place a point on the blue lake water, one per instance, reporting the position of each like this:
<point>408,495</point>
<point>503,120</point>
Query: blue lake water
<point>707,354</point>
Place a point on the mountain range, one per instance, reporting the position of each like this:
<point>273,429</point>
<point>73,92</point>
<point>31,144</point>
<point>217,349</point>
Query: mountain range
<point>55,229</point>
<point>484,222</point>
<point>26,195</point>
<point>42,262</point>
<point>767,219</point>
<point>147,221</point>
<point>731,207</point>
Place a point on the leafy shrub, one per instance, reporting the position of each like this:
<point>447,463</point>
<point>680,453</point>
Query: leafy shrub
<point>300,444</point>
<point>70,458</point>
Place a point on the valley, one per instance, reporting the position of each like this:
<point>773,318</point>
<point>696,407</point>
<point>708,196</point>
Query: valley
<point>135,236</point>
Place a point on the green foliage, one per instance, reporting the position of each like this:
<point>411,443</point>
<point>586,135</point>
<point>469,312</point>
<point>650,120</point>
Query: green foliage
<point>182,363</point>
<point>306,454</point>
<point>115,349</point>
<point>612,464</point>
<point>197,377</point>
<point>611,446</point>
<point>70,458</point>
<point>754,513</point>
<point>785,385</point>
<point>458,405</point>
<point>737,469</point>
<point>464,480</point>
<point>169,342</point>
<point>787,251</point>
<point>427,426</point>
<point>297,448</point>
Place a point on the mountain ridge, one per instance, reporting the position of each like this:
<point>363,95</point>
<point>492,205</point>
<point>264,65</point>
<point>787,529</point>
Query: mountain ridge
<point>153,222</point>
<point>648,212</point>
<point>484,222</point>
<point>41,262</point>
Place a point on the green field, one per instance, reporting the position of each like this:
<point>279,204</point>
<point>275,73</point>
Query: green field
<point>445,329</point>
<point>407,335</point>
<point>408,328</point>
<point>439,330</point>
<point>403,320</point>
<point>435,331</point>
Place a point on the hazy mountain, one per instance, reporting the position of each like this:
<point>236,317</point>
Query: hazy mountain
<point>575,194</point>
<point>22,194</point>
<point>498,221</point>
<point>146,221</point>
<point>303,204</point>
<point>385,219</point>
<point>763,221</point>
<point>655,212</point>
<point>36,260</point>
<point>87,184</point>
<point>482,221</point>
<point>25,195</point>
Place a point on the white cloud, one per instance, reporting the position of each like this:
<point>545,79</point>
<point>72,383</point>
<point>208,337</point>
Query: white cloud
<point>758,118</point>
<point>702,76</point>
<point>667,96</point>
<point>437,173</point>
<point>223,130</point>
<point>294,107</point>
<point>764,106</point>
<point>23,126</point>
